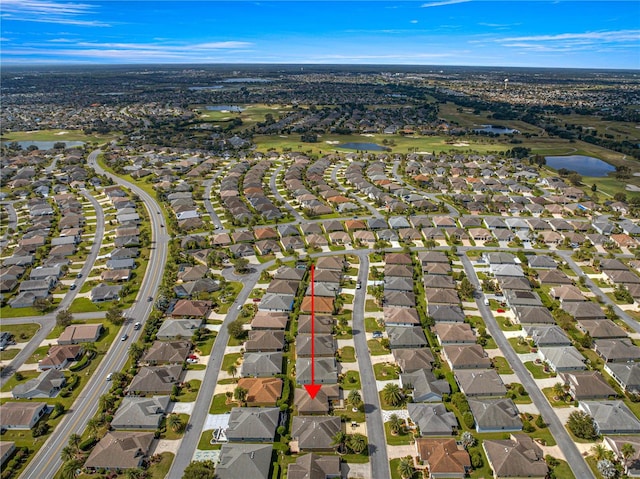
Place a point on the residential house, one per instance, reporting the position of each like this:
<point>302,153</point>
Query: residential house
<point>518,456</point>
<point>443,457</point>
<point>81,333</point>
<point>21,415</point>
<point>315,432</point>
<point>120,450</point>
<point>141,412</point>
<point>587,385</point>
<point>480,382</point>
<point>424,385</point>
<point>611,417</point>
<point>155,380</point>
<point>433,419</point>
<point>47,385</point>
<point>495,415</point>
<point>261,365</point>
<point>410,360</point>
<point>563,358</point>
<point>253,424</point>
<point>244,461</point>
<point>466,356</point>
<point>261,391</point>
<point>313,466</point>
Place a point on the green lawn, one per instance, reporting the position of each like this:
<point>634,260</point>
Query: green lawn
<point>39,354</point>
<point>190,396</point>
<point>84,305</point>
<point>507,325</point>
<point>403,438</point>
<point>371,325</point>
<point>370,306</point>
<point>219,405</point>
<point>351,380</point>
<point>348,354</point>
<point>169,434</point>
<point>501,365</point>
<point>537,371</point>
<point>9,312</point>
<point>563,470</point>
<point>205,441</point>
<point>22,333</point>
<point>8,354</point>
<point>230,359</point>
<point>376,349</point>
<point>159,470</point>
<point>13,381</point>
<point>385,371</point>
<point>518,347</point>
<point>57,135</point>
<point>548,392</point>
<point>205,345</point>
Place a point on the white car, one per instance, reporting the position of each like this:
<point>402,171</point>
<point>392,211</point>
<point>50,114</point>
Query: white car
<point>109,376</point>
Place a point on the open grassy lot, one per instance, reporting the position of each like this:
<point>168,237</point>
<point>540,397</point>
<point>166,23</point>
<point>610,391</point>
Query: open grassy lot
<point>22,333</point>
<point>401,144</point>
<point>57,135</point>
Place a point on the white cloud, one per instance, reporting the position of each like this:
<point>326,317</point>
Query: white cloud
<point>413,21</point>
<point>43,11</point>
<point>606,36</point>
<point>442,3</point>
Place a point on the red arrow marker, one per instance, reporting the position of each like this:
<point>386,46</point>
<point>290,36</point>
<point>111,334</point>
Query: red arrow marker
<point>313,388</point>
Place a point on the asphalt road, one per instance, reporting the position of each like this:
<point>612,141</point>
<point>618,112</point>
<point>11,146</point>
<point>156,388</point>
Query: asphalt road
<point>365,204</point>
<point>577,463</point>
<point>378,459</point>
<point>207,198</point>
<point>632,323</point>
<point>46,463</point>
<point>193,432</point>
<point>48,321</point>
<point>278,196</point>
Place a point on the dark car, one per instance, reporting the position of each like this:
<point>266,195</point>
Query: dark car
<point>150,298</point>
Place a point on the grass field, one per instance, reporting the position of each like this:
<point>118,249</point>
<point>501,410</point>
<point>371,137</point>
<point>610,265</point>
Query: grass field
<point>401,144</point>
<point>57,135</point>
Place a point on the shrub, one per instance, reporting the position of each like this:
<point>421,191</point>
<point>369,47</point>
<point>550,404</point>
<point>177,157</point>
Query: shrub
<point>87,444</point>
<point>469,422</point>
<point>476,459</point>
<point>527,426</point>
<point>540,422</point>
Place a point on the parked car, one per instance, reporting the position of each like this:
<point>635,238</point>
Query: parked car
<point>377,334</point>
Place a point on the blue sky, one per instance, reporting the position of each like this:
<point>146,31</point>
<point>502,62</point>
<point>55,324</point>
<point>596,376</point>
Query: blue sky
<point>588,34</point>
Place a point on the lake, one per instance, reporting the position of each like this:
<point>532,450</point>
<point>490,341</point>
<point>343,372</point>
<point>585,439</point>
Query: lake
<point>48,145</point>
<point>363,146</point>
<point>496,130</point>
<point>236,109</point>
<point>584,165</point>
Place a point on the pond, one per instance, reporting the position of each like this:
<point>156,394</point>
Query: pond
<point>363,146</point>
<point>235,109</point>
<point>584,165</point>
<point>48,145</point>
<point>496,130</point>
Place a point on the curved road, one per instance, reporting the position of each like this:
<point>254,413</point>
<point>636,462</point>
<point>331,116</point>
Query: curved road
<point>48,321</point>
<point>46,463</point>
<point>577,463</point>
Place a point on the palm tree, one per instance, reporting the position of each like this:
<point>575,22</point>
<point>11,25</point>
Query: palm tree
<point>558,390</point>
<point>339,440</point>
<point>233,370</point>
<point>392,394</point>
<point>174,421</point>
<point>135,352</point>
<point>357,443</point>
<point>93,425</point>
<point>627,450</point>
<point>395,424</point>
<point>599,452</point>
<point>355,399</point>
<point>67,453</point>
<point>69,469</point>
<point>406,468</point>
<point>468,440</point>
<point>240,394</point>
<point>106,402</point>
<point>74,441</point>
